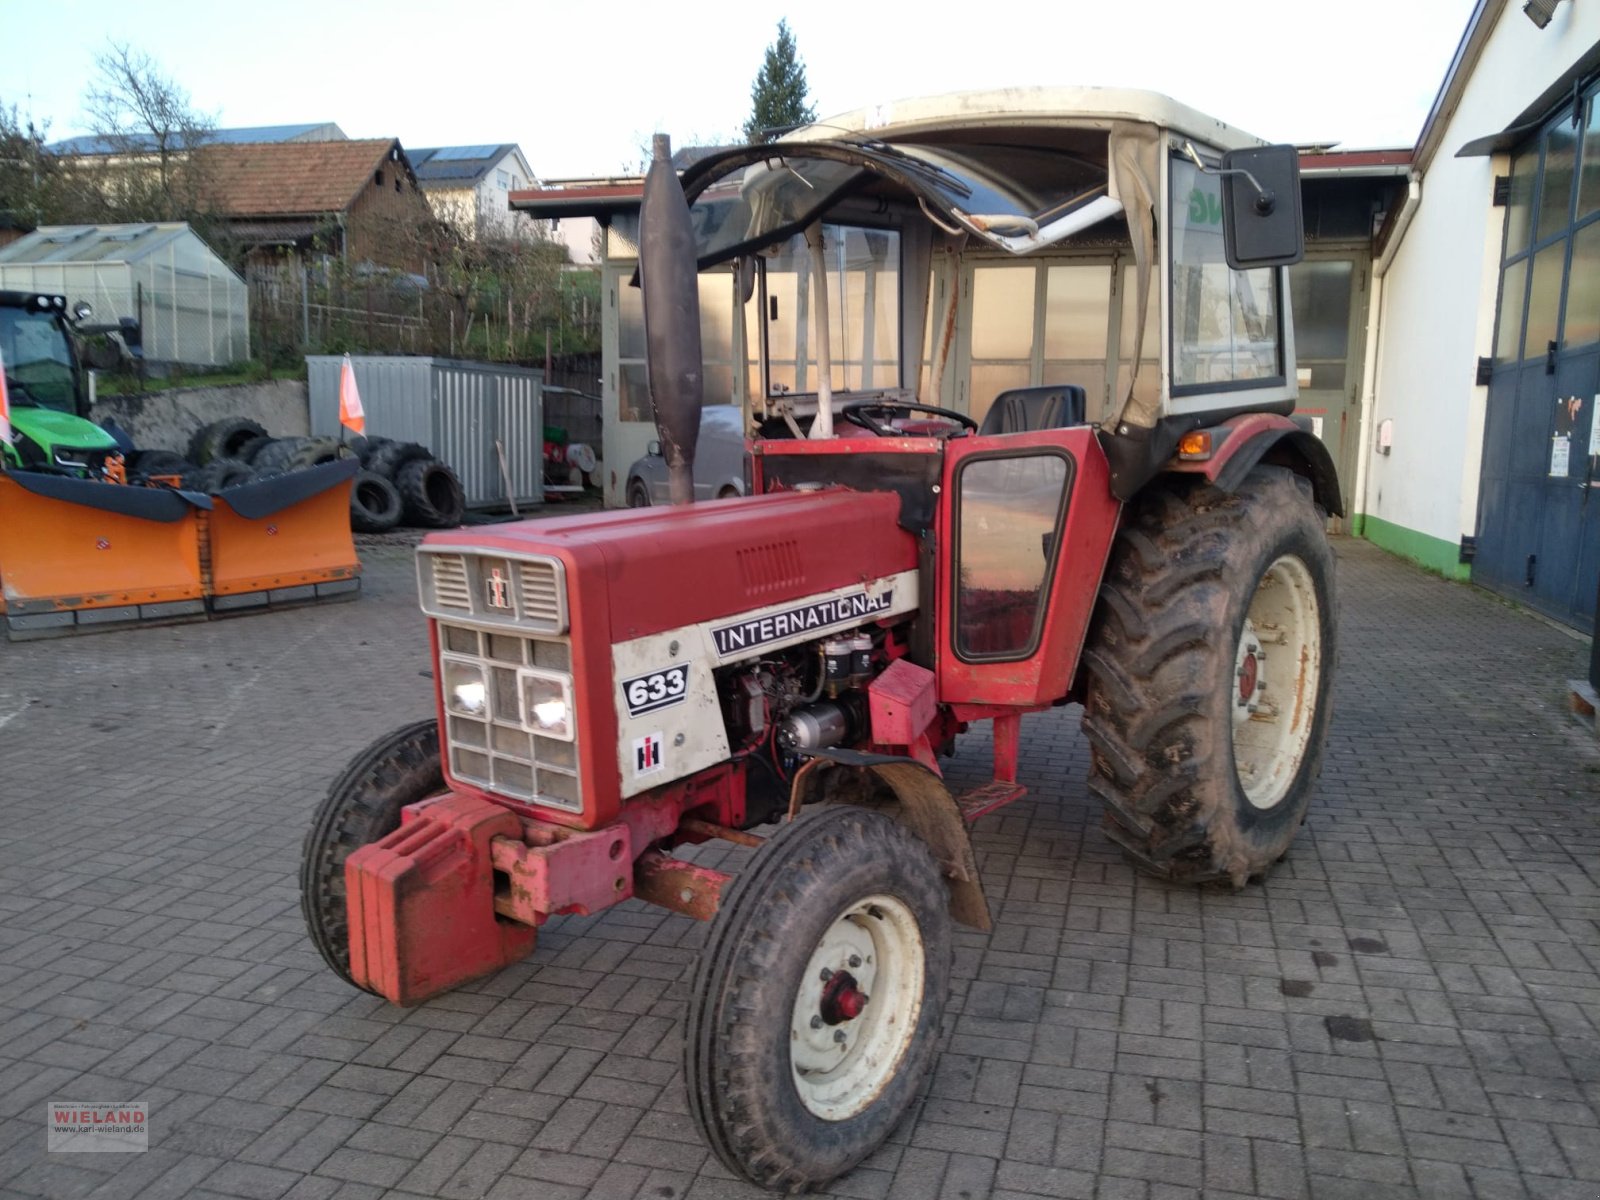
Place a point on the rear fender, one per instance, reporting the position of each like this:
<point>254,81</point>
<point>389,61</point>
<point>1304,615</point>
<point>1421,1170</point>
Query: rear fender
<point>925,807</point>
<point>1239,443</point>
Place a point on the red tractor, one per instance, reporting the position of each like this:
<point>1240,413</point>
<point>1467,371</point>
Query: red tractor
<point>785,671</point>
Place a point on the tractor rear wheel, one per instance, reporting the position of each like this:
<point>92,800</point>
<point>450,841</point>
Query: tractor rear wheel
<point>362,806</point>
<point>1209,676</point>
<point>815,1008</point>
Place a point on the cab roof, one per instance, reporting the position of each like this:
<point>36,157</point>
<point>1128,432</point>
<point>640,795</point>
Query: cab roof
<point>1080,107</point>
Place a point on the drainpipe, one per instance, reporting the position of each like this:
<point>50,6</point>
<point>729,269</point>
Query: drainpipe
<point>1369,374</point>
<point>1402,222</point>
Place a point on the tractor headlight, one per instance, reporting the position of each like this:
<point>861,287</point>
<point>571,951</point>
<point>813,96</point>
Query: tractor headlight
<point>465,691</point>
<point>547,704</point>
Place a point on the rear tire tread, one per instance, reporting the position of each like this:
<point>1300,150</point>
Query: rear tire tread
<point>1158,650</point>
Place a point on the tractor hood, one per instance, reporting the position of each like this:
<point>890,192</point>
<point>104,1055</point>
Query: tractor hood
<point>52,430</point>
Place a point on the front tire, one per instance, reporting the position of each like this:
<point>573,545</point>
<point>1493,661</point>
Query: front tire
<point>362,806</point>
<point>638,494</point>
<point>1209,676</point>
<point>815,1009</point>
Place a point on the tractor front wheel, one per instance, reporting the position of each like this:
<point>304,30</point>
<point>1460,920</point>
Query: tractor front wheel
<point>1210,669</point>
<point>362,806</point>
<point>815,1010</point>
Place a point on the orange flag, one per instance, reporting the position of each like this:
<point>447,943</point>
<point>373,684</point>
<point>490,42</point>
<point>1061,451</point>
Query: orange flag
<point>5,407</point>
<point>351,415</point>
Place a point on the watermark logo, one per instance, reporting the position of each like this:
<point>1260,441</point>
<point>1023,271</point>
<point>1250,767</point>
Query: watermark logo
<point>97,1127</point>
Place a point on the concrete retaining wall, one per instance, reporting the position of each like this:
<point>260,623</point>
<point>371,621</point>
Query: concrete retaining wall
<point>165,420</point>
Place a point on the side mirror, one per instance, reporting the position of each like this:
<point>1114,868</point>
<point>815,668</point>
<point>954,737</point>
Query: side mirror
<point>1262,224</point>
<point>653,449</point>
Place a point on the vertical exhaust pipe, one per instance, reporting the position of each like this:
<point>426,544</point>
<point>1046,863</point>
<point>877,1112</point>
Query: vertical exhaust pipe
<point>668,275</point>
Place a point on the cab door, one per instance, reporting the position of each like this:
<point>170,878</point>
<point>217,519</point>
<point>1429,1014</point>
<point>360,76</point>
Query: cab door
<point>1025,525</point>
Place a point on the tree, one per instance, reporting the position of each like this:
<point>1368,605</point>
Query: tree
<point>778,95</point>
<point>28,180</point>
<point>155,171</point>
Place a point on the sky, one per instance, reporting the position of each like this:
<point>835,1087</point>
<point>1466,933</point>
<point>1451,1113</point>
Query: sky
<point>581,87</point>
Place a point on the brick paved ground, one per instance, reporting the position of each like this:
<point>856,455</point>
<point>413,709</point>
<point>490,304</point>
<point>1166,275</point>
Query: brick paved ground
<point>1408,1008</point>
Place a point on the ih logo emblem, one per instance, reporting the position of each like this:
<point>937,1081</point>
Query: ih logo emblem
<point>497,589</point>
<point>648,756</point>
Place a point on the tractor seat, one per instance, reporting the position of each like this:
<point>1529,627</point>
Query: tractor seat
<point>1029,409</point>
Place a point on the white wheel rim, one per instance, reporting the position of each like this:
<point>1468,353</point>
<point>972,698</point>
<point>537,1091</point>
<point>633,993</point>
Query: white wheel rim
<point>1276,675</point>
<point>841,1064</point>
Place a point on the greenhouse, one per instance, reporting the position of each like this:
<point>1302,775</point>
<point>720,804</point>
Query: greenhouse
<point>194,309</point>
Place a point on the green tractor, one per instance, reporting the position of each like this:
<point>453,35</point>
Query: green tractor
<point>46,385</point>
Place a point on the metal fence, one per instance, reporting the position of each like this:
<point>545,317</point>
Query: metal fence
<point>469,414</point>
<point>298,309</point>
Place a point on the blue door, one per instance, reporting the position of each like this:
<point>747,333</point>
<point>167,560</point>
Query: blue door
<point>1539,500</point>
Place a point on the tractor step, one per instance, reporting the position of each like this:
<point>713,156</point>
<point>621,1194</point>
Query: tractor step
<point>981,801</point>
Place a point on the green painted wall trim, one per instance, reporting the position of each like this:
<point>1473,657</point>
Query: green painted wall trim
<point>1435,554</point>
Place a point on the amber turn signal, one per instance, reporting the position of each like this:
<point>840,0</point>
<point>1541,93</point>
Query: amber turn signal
<point>1195,445</point>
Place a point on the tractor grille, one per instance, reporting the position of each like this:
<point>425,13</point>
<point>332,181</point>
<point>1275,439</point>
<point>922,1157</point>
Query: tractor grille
<point>486,677</point>
<point>450,582</point>
<point>541,594</point>
<point>527,594</point>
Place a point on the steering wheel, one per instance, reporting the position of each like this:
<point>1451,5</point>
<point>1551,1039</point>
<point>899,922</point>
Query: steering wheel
<point>874,415</point>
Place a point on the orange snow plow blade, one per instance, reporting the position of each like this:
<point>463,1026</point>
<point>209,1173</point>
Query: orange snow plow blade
<point>78,554</point>
<point>284,540</point>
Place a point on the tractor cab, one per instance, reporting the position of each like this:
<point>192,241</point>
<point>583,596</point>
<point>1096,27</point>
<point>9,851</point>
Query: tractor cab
<point>46,387</point>
<point>1001,255</point>
<point>871,256</point>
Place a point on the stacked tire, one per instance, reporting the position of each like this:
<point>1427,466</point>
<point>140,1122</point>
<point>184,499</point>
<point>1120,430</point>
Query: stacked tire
<point>400,483</point>
<point>374,504</point>
<point>429,493</point>
<point>228,438</point>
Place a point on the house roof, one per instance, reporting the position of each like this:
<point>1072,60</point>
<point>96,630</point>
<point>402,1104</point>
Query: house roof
<point>599,195</point>
<point>1373,163</point>
<point>583,201</point>
<point>325,131</point>
<point>458,164</point>
<point>295,178</point>
<point>1480,25</point>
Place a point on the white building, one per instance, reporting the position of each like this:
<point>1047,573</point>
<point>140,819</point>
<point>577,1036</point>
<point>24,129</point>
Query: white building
<point>1481,450</point>
<point>468,186</point>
